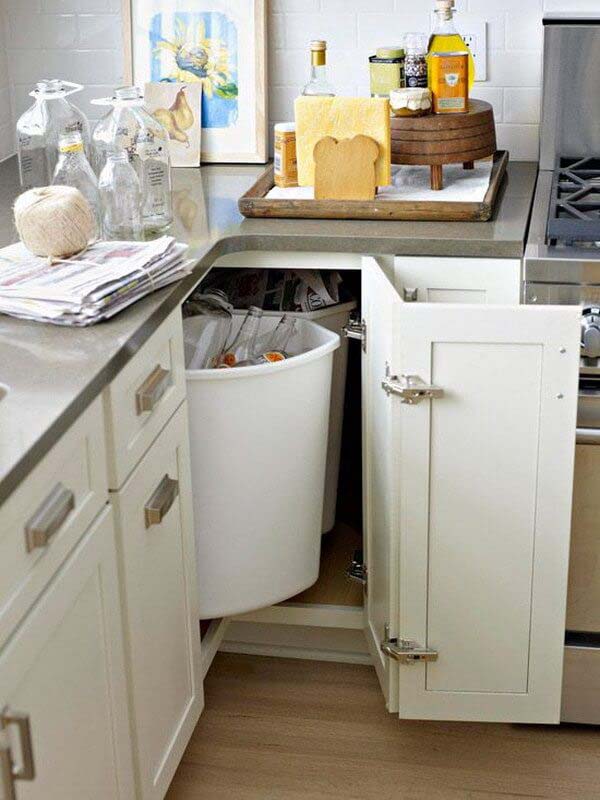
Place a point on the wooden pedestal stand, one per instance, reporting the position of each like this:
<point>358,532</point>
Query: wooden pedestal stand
<point>440,139</point>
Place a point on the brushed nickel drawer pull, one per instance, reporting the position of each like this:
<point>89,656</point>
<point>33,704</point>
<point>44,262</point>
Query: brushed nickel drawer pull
<point>8,772</point>
<point>7,783</point>
<point>152,389</point>
<point>46,521</point>
<point>157,507</point>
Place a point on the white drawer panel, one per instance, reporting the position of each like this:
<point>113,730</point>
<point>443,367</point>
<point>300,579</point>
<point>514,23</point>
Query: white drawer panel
<point>158,568</point>
<point>44,518</point>
<point>142,398</point>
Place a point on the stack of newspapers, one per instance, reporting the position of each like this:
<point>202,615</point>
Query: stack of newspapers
<point>91,286</point>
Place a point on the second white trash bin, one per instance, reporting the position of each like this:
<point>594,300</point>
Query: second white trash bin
<point>258,439</point>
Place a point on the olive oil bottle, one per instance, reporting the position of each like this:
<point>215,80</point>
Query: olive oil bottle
<point>446,39</point>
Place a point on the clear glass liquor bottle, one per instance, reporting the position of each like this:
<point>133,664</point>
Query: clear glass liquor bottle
<point>243,347</point>
<point>207,326</point>
<point>277,341</point>
<point>73,169</point>
<point>318,85</point>
<point>121,198</point>
<point>39,129</point>
<point>130,127</point>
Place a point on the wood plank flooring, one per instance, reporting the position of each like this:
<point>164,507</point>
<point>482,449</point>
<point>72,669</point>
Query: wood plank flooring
<point>333,588</point>
<point>278,729</point>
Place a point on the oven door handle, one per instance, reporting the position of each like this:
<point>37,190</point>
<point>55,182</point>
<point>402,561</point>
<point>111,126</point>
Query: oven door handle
<point>588,436</point>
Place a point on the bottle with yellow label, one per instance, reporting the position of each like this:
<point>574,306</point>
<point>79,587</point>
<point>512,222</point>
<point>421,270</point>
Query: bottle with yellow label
<point>446,39</point>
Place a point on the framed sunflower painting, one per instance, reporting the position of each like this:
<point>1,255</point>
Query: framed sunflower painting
<point>220,44</point>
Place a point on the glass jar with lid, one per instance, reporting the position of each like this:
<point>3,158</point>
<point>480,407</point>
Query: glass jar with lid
<point>413,102</point>
<point>415,62</point>
<point>387,70</point>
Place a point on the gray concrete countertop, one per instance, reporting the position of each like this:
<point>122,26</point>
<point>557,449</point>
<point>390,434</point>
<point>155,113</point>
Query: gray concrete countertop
<point>54,373</point>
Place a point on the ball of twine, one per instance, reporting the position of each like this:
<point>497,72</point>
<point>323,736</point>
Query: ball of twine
<point>54,221</point>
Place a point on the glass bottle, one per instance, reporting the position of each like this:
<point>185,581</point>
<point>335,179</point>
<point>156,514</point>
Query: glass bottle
<point>40,127</point>
<point>446,39</point>
<point>415,61</point>
<point>130,127</point>
<point>318,84</point>
<point>208,318</point>
<point>73,169</point>
<point>273,346</point>
<point>121,199</point>
<point>241,351</point>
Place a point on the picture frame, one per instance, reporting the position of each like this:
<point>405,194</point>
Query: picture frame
<point>220,43</point>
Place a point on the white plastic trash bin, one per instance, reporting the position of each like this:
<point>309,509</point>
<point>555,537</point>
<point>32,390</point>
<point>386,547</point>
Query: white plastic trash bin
<point>258,439</point>
<point>334,318</point>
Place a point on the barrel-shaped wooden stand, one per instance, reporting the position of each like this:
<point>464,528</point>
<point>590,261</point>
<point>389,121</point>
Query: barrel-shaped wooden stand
<point>439,139</point>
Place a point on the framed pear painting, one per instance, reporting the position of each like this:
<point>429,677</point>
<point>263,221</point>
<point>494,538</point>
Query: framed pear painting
<point>178,107</point>
<point>220,45</point>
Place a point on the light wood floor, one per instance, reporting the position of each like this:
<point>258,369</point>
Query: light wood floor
<point>333,588</point>
<point>276,729</point>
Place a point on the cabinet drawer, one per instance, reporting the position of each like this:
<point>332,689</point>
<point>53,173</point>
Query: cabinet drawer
<point>158,569</point>
<point>43,519</point>
<point>142,398</point>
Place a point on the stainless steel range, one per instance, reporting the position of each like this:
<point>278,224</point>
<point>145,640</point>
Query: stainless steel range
<point>562,266</point>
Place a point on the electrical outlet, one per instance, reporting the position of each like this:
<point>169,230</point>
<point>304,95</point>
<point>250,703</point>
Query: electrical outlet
<point>474,31</point>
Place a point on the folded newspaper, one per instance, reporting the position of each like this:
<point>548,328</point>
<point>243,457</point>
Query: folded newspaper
<point>89,287</point>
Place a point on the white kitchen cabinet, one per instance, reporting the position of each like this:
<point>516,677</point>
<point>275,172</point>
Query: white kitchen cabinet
<point>459,280</point>
<point>158,583</point>
<point>468,500</point>
<point>64,670</point>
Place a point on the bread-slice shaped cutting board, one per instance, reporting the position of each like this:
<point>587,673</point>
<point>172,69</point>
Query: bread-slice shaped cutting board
<point>342,118</point>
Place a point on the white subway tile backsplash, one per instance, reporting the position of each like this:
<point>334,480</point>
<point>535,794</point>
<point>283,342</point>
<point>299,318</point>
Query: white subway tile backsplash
<point>524,32</point>
<point>522,105</point>
<point>388,29</point>
<point>522,141</point>
<point>7,141</point>
<point>518,68</point>
<point>5,107</point>
<point>343,6</point>
<point>99,31</point>
<point>493,95</point>
<point>24,30</point>
<point>338,29</point>
<point>59,31</point>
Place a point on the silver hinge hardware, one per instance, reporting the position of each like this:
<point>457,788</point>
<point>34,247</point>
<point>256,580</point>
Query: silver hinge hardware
<point>357,571</point>
<point>410,388</point>
<point>406,651</point>
<point>356,329</point>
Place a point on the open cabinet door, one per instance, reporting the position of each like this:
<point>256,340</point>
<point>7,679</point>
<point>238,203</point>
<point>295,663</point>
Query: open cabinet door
<point>380,307</point>
<point>482,501</point>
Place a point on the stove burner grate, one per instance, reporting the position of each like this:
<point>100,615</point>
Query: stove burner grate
<point>574,215</point>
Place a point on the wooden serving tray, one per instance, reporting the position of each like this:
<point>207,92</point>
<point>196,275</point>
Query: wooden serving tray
<point>255,203</point>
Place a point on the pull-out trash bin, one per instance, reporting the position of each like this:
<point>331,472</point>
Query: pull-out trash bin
<point>258,439</point>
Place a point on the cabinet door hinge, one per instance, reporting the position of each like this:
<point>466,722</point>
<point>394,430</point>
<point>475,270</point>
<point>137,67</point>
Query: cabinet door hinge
<point>410,388</point>
<point>405,650</point>
<point>356,329</point>
<point>357,571</point>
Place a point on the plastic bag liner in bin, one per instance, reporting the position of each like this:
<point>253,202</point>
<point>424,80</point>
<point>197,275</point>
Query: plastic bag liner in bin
<point>258,439</point>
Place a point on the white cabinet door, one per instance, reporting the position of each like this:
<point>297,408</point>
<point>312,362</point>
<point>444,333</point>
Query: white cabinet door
<point>481,501</point>
<point>161,606</point>
<point>64,669</point>
<point>380,547</point>
<point>460,280</point>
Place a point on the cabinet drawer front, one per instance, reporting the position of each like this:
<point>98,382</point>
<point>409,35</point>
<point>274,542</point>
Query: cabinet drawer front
<point>48,513</point>
<point>159,575</point>
<point>63,674</point>
<point>143,397</point>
